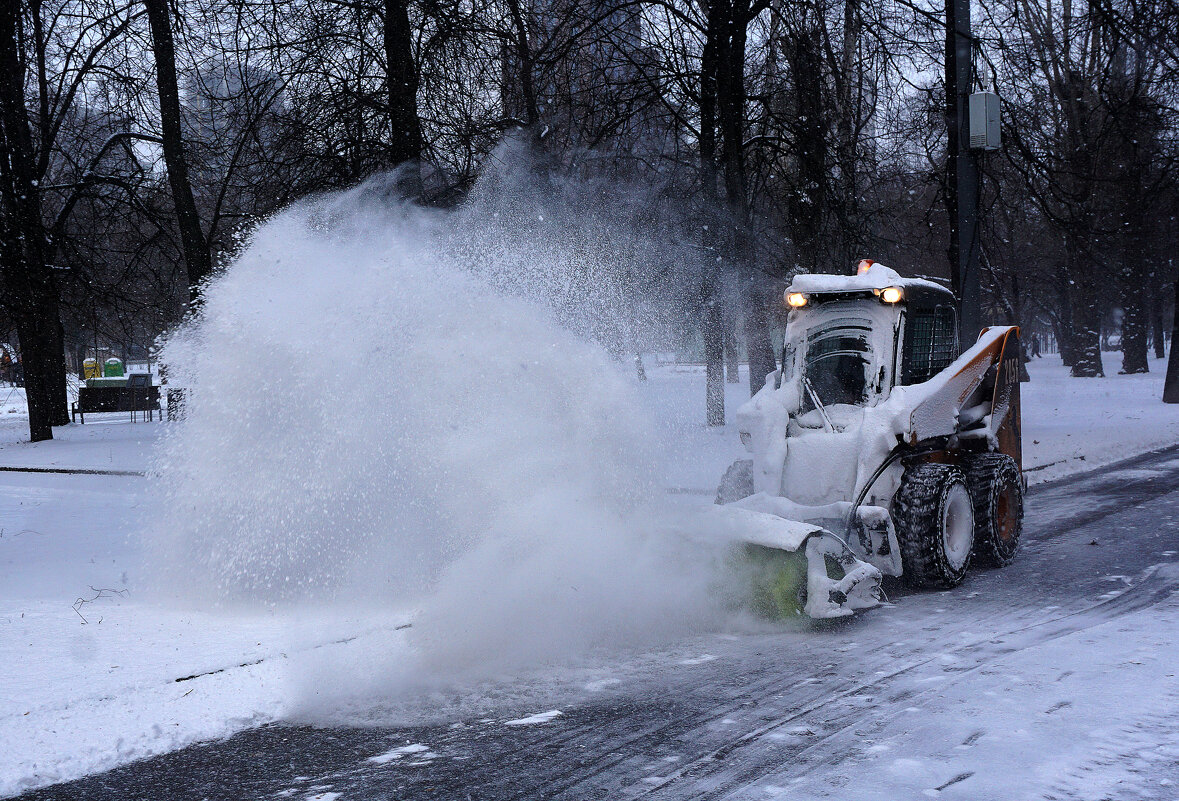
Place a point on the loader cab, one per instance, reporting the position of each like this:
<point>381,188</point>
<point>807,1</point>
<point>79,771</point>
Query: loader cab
<point>851,339</point>
<point>840,352</point>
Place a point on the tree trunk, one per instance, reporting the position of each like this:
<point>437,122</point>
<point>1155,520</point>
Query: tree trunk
<point>757,334</point>
<point>79,348</point>
<point>712,328</point>
<point>1062,325</point>
<point>1156,324</point>
<point>526,63</point>
<point>808,200</point>
<point>711,315</point>
<point>42,349</point>
<point>1086,335</point>
<point>1134,323</point>
<point>1014,307</point>
<point>732,351</point>
<point>730,104</point>
<point>30,294</point>
<point>1171,384</point>
<point>1063,344</point>
<point>847,128</point>
<point>401,81</point>
<point>192,239</point>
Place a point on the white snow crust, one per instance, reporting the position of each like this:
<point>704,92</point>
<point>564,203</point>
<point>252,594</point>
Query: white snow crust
<point>532,720</point>
<point>877,277</point>
<point>398,753</point>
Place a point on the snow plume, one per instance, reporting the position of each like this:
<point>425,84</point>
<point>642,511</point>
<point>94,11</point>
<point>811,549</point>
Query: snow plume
<point>393,408</point>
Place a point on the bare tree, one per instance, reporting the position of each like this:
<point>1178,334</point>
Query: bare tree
<point>194,244</point>
<point>31,295</point>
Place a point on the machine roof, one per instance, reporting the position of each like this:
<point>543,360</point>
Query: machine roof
<point>876,277</point>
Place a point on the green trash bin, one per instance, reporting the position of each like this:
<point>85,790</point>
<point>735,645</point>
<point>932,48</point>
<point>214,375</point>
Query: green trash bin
<point>113,368</point>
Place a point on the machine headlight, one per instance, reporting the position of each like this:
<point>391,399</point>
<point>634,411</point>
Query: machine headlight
<point>796,300</point>
<point>891,294</point>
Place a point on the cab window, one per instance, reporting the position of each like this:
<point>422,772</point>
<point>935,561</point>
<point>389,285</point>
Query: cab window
<point>931,343</point>
<point>838,360</point>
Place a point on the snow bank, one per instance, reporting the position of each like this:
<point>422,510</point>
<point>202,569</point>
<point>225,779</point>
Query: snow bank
<point>85,697</point>
<point>387,409</point>
<point>1075,424</point>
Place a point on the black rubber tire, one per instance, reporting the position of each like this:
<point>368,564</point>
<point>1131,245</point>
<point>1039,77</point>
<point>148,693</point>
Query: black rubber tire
<point>737,482</point>
<point>996,488</point>
<point>918,512</point>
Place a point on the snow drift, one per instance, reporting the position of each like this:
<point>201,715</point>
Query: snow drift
<point>391,407</point>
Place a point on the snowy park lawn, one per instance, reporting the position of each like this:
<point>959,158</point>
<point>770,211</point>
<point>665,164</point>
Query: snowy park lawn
<point>95,676</point>
<point>1075,424</point>
<point>12,402</point>
<point>110,442</point>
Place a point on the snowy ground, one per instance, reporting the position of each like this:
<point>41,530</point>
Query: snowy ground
<point>1052,679</point>
<point>95,676</point>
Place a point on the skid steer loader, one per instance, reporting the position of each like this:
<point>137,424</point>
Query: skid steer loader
<point>878,447</point>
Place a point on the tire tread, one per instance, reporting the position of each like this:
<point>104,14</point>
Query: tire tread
<point>985,475</point>
<point>917,514</point>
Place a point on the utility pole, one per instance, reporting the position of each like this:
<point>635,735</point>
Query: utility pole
<point>962,183</point>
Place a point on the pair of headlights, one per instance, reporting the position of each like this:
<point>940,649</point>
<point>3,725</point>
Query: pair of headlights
<point>890,294</point>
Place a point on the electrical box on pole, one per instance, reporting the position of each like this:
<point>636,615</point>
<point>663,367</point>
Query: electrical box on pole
<point>984,121</point>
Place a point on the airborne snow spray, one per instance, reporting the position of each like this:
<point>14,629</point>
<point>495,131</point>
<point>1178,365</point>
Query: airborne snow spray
<point>398,411</point>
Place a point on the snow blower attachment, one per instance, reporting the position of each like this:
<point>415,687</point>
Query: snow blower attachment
<point>796,567</point>
<point>878,448</point>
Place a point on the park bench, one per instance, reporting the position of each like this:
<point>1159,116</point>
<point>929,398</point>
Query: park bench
<point>137,395</point>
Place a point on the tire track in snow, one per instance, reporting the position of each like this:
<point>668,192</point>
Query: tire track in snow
<point>1149,591</point>
<point>1138,760</point>
<point>1079,501</point>
<point>1027,609</point>
<point>1108,481</point>
<point>780,702</point>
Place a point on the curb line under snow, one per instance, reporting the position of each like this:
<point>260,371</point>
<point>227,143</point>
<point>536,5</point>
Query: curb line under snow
<point>1090,469</point>
<point>72,471</point>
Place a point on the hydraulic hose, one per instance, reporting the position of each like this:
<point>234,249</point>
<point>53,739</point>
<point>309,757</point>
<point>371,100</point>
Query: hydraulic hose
<point>899,452</point>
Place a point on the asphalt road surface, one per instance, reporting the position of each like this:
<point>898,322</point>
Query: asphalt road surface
<point>780,703</point>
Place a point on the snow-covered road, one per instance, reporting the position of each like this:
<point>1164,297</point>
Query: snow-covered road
<point>1054,678</point>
